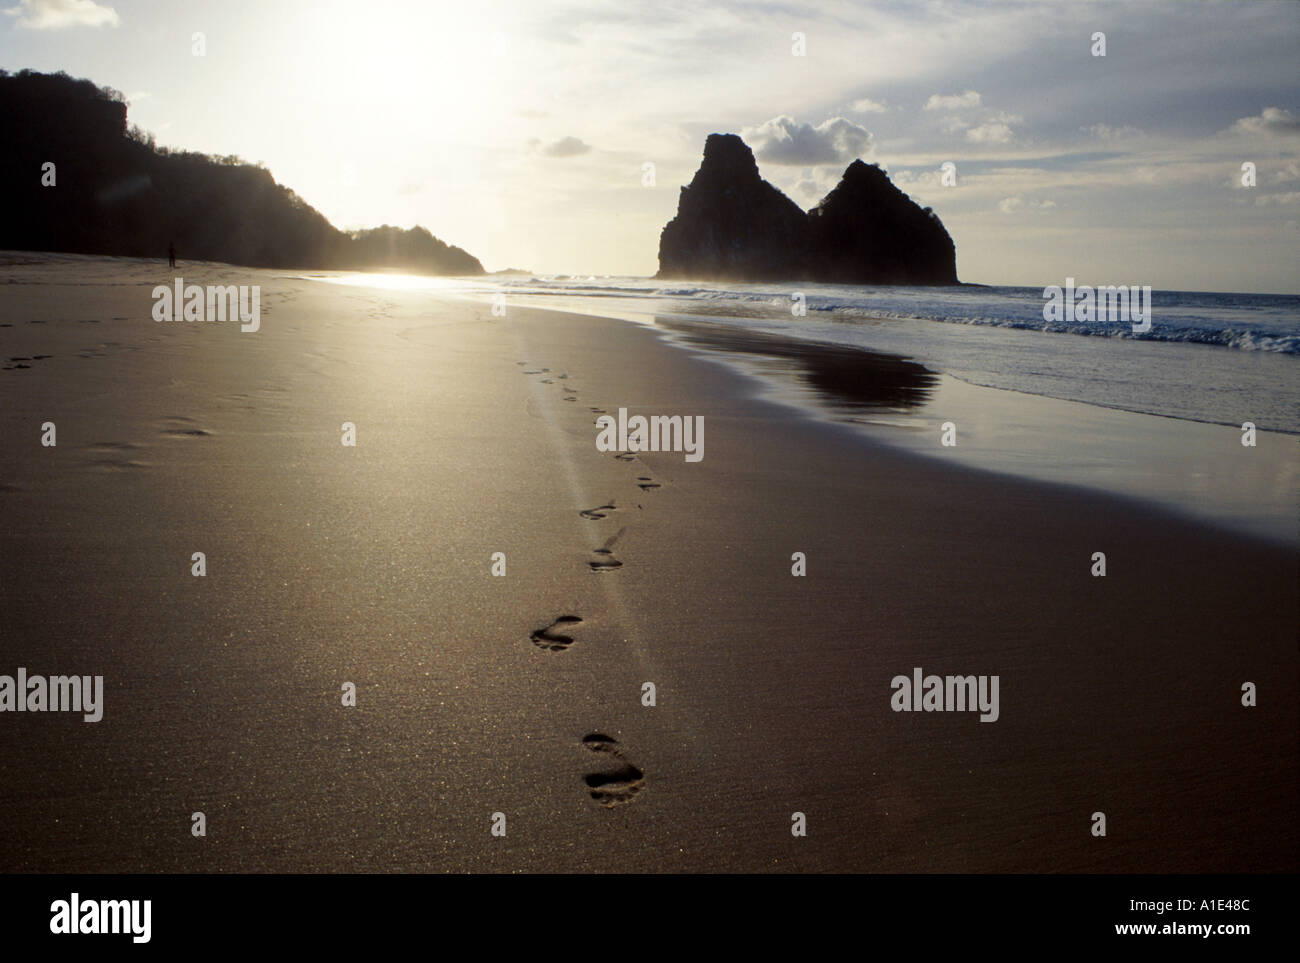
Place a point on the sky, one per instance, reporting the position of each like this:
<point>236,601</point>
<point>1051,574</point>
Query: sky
<point>521,131</point>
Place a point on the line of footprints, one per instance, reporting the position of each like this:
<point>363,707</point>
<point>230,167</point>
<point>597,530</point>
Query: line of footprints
<point>620,780</point>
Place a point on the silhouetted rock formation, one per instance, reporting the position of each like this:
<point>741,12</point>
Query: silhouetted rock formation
<point>116,193</point>
<point>867,231</point>
<point>415,250</point>
<point>732,225</point>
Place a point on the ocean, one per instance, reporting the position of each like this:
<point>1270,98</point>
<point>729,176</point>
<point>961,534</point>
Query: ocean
<point>1218,358</point>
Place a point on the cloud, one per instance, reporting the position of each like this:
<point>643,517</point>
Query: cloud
<point>994,132</point>
<point>57,14</point>
<point>815,183</point>
<point>970,98</point>
<point>1278,200</point>
<point>1011,205</point>
<point>564,147</point>
<point>1291,172</point>
<point>782,140</point>
<point>1271,120</point>
<point>1108,133</point>
<point>867,106</point>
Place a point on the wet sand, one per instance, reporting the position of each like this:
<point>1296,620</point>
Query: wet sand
<point>373,565</point>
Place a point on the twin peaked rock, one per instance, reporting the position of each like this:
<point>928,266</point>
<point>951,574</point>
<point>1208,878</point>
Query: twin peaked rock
<point>732,225</point>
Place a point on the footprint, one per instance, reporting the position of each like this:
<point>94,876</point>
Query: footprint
<point>118,464</point>
<point>177,426</point>
<point>550,640</point>
<point>615,786</point>
<point>598,411</point>
<point>605,560</point>
<point>624,456</point>
<point>598,512</point>
<point>645,484</point>
<point>606,563</point>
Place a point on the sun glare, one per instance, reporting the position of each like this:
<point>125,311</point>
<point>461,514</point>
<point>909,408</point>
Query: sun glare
<point>393,282</point>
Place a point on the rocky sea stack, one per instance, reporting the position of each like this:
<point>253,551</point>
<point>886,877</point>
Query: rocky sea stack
<point>732,225</point>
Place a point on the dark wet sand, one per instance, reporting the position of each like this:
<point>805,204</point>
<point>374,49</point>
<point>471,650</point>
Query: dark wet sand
<point>372,565</point>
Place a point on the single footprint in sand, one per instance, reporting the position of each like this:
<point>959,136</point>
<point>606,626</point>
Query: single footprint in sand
<point>179,426</point>
<point>612,787</point>
<point>552,641</point>
<point>600,511</point>
<point>605,560</point>
<point>646,484</point>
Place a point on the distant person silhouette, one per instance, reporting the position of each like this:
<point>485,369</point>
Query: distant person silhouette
<point>171,254</point>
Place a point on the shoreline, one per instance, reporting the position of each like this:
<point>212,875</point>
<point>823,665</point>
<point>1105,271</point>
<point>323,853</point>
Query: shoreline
<point>1144,457</point>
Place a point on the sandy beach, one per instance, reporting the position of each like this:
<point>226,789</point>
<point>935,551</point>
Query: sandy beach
<point>372,564</point>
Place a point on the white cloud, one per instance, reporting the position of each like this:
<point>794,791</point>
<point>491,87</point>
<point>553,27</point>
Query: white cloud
<point>970,98</point>
<point>868,106</point>
<point>1011,205</point>
<point>1271,120</point>
<point>564,147</point>
<point>782,140</point>
<point>912,178</point>
<point>994,132</point>
<point>57,14</point>
<point>813,184</point>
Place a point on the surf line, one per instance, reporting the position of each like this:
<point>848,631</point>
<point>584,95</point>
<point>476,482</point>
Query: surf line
<point>58,693</point>
<point>684,433</point>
